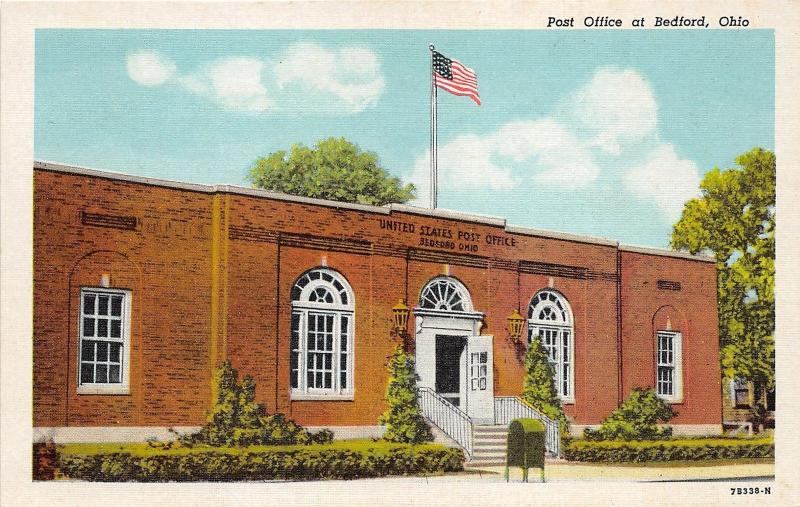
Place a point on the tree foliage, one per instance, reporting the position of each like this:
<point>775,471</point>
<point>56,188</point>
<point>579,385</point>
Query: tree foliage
<point>334,169</point>
<point>403,419</point>
<point>636,419</point>
<point>538,387</point>
<point>735,221</point>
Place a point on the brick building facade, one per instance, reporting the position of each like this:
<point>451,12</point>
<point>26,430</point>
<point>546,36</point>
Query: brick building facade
<point>142,286</point>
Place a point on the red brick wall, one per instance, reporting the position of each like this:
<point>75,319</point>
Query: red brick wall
<point>691,310</point>
<point>211,276</point>
<point>165,263</point>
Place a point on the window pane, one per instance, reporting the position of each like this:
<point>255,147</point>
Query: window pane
<point>484,357</point>
<point>101,374</point>
<point>113,374</point>
<point>88,304</point>
<point>88,327</point>
<point>328,380</point>
<point>87,373</point>
<point>102,328</point>
<point>295,340</point>
<point>116,306</point>
<point>87,351</point>
<point>102,351</point>
<point>343,379</point>
<point>116,329</point>
<point>310,379</point>
<point>102,305</point>
<point>115,350</point>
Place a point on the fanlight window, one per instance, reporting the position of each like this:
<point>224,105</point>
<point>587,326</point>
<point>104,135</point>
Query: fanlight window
<point>323,316</point>
<point>445,294</point>
<point>548,306</point>
<point>550,320</point>
<point>321,286</point>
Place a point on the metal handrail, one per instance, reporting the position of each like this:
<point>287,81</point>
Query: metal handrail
<point>508,408</point>
<point>449,418</point>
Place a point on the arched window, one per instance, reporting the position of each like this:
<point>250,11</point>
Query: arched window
<point>322,334</point>
<point>550,318</point>
<point>445,293</point>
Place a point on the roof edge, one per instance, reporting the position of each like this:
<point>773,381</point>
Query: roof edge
<point>666,253</point>
<point>530,231</point>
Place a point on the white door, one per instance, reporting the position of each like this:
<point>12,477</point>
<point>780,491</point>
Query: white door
<point>479,379</point>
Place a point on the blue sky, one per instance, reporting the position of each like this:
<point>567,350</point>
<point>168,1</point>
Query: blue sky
<point>604,133</point>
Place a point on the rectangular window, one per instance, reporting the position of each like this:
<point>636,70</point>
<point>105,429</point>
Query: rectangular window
<point>668,365</point>
<point>104,336</point>
<point>478,370</point>
<point>557,344</point>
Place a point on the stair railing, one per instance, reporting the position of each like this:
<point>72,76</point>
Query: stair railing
<point>508,408</point>
<point>447,417</point>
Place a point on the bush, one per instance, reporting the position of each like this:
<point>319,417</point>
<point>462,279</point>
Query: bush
<point>636,419</point>
<point>403,419</point>
<point>538,388</point>
<point>669,450</point>
<point>235,419</point>
<point>262,463</point>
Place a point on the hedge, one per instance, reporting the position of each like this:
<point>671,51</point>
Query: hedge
<point>669,450</point>
<point>261,463</point>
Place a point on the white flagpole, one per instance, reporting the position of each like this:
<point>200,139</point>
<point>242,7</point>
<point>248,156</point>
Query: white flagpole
<point>434,175</point>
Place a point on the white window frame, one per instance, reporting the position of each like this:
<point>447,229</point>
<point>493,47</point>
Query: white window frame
<point>303,309</point>
<point>675,363</point>
<point>564,330</point>
<point>116,388</point>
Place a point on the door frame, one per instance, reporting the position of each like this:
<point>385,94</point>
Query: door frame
<point>431,323</point>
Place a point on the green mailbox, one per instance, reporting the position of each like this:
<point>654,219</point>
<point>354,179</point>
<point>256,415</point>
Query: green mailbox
<point>525,446</point>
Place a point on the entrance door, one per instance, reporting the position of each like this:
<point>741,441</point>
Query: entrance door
<point>449,358</point>
<point>480,379</point>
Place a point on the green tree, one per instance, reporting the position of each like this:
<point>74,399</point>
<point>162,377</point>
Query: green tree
<point>538,386</point>
<point>334,169</point>
<point>734,220</point>
<point>403,419</point>
<point>636,419</point>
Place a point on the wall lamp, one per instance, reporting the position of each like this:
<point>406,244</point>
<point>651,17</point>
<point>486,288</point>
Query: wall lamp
<point>515,322</point>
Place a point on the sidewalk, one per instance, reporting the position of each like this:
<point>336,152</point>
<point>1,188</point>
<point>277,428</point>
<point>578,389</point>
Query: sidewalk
<point>565,471</point>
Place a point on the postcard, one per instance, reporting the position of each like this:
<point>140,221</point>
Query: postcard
<point>398,253</point>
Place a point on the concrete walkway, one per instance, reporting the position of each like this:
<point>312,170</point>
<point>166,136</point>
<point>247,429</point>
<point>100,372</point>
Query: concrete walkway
<point>563,471</point>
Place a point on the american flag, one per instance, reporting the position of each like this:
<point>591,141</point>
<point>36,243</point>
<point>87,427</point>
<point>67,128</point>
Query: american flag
<point>454,77</point>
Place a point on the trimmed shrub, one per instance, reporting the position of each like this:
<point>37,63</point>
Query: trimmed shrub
<point>403,419</point>
<point>262,463</point>
<point>235,419</point>
<point>669,450</point>
<point>538,388</point>
<point>636,419</point>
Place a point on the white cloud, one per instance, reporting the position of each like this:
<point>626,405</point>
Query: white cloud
<point>552,153</point>
<point>149,68</point>
<point>616,107</point>
<point>666,179</point>
<point>350,75</point>
<point>236,84</point>
<point>542,149</point>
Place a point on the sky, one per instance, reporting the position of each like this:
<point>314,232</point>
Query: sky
<point>605,133</point>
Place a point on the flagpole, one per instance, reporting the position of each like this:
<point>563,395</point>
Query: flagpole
<point>434,175</point>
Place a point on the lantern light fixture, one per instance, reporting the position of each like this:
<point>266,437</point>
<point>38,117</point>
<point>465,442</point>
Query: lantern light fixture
<point>400,315</point>
<point>515,322</point>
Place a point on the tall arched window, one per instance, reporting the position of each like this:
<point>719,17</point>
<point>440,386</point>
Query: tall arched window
<point>445,293</point>
<point>322,334</point>
<point>550,318</point>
